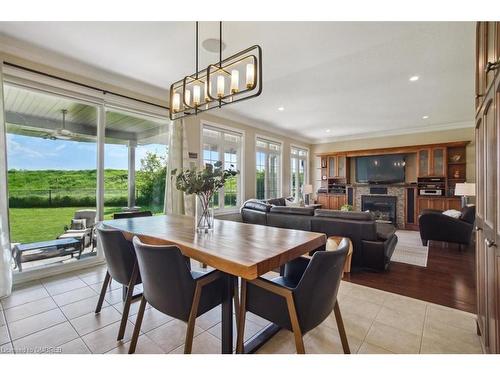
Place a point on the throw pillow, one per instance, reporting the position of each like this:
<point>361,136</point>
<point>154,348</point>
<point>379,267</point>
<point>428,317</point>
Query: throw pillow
<point>452,213</point>
<point>78,224</point>
<point>292,204</point>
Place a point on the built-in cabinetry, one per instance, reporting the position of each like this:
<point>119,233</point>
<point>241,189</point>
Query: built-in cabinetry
<point>487,185</point>
<point>334,178</point>
<point>431,162</point>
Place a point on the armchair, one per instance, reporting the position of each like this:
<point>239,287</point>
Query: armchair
<point>436,226</point>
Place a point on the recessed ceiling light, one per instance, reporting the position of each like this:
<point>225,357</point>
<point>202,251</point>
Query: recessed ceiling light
<point>327,130</point>
<point>425,117</point>
<point>281,108</point>
<point>414,78</point>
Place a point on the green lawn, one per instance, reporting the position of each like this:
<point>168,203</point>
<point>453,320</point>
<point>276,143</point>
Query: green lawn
<point>43,224</point>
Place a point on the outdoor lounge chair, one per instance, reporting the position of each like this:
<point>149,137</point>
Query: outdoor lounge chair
<point>82,227</point>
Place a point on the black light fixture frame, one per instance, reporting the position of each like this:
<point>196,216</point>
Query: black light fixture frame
<point>203,77</point>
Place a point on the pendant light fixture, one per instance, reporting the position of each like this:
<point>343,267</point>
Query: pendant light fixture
<point>230,80</point>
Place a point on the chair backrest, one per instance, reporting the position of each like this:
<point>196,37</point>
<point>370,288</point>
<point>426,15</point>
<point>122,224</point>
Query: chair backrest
<point>167,282</point>
<point>468,214</point>
<point>119,253</point>
<point>89,215</point>
<point>128,215</point>
<point>316,293</point>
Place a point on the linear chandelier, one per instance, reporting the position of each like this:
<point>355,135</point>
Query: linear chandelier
<point>231,80</point>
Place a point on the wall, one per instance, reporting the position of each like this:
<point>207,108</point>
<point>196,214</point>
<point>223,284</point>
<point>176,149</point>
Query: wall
<point>193,135</point>
<point>462,134</point>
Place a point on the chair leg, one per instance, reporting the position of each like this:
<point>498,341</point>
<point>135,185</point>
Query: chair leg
<point>340,326</point>
<point>128,300</point>
<point>299,342</point>
<point>241,318</point>
<point>188,346</point>
<point>236,298</point>
<point>137,328</point>
<point>105,284</point>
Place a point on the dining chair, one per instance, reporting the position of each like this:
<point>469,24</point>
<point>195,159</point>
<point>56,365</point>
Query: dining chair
<point>172,288</point>
<point>122,267</point>
<point>299,300</point>
<point>131,214</point>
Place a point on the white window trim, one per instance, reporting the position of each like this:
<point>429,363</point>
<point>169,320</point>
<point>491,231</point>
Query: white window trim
<point>241,175</point>
<point>306,177</point>
<point>272,140</point>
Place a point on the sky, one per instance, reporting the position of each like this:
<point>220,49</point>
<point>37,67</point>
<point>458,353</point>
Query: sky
<point>33,153</point>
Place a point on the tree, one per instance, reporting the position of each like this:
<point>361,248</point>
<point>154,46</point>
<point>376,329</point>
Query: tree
<point>151,180</point>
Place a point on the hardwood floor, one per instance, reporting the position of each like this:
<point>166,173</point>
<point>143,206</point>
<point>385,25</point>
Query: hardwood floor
<point>449,278</point>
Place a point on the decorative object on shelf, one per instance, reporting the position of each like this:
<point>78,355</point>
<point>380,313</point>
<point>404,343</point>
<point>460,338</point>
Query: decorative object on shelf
<point>323,177</point>
<point>236,78</point>
<point>346,207</point>
<point>306,191</point>
<point>204,183</point>
<point>465,190</point>
<point>456,174</point>
<point>455,158</point>
<point>323,163</point>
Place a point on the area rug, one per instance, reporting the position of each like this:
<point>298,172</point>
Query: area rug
<point>409,249</point>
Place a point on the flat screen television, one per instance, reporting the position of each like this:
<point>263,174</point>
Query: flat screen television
<point>380,169</point>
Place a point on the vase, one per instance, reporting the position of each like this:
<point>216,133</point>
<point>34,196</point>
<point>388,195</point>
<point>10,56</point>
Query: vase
<point>204,217</point>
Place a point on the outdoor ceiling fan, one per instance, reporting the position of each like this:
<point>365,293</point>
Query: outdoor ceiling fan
<point>62,133</point>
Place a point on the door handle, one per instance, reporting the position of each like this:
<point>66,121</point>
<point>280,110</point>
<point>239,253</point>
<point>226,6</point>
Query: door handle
<point>489,243</point>
<point>478,229</point>
<point>492,66</point>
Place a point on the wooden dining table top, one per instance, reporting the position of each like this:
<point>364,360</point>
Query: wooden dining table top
<point>239,249</point>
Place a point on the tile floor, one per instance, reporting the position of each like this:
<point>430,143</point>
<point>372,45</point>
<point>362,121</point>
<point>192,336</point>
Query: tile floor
<point>56,315</point>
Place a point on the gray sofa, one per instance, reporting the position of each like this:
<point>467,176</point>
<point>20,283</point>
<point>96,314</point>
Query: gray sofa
<point>373,243</point>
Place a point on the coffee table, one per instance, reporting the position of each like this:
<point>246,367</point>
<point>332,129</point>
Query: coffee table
<point>29,252</point>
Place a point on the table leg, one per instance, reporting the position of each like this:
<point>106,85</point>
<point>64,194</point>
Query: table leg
<point>227,315</point>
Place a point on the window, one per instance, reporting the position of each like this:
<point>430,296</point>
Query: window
<point>225,146</point>
<point>299,158</point>
<point>268,168</point>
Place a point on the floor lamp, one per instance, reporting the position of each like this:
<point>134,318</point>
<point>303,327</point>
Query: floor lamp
<point>465,190</point>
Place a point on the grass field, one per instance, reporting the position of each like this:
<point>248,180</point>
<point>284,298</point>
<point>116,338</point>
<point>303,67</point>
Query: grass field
<point>43,224</point>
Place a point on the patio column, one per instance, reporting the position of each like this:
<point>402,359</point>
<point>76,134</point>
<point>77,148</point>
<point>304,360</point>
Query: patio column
<point>131,173</point>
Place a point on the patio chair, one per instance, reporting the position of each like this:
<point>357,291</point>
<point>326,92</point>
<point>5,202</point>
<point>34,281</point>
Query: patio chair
<point>82,227</point>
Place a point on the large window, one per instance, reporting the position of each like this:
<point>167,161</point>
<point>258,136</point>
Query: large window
<point>225,146</point>
<point>299,158</point>
<point>268,168</point>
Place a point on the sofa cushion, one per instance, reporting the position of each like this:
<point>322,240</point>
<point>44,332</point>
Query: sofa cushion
<point>277,201</point>
<point>385,231</point>
<point>258,206</point>
<point>347,215</point>
<point>293,210</point>
<point>78,224</point>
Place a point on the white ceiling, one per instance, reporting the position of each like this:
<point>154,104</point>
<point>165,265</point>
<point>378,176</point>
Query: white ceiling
<point>348,77</point>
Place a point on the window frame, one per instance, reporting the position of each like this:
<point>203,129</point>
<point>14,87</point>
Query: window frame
<point>298,195</point>
<point>240,194</point>
<point>268,152</point>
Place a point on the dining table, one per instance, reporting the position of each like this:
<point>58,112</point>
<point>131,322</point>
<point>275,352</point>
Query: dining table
<point>238,250</point>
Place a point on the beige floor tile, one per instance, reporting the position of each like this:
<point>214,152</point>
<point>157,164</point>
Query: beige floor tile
<point>4,335</point>
<point>2,318</point>
<point>93,277</point>
<point>73,296</point>
<point>47,340</point>
<point>453,317</point>
<point>62,286</point>
<point>144,346</point>
<point>30,285</point>
<point>360,307</point>
<point>251,329</point>
<point>104,339</point>
<point>58,278</point>
<point>366,348</point>
<point>90,322</point>
<point>404,304</point>
<point>113,286</point>
<point>445,346</point>
<point>281,343</point>
<point>114,296</point>
<point>82,307</point>
<point>456,339</point>
<point>367,294</point>
<point>210,318</point>
<point>324,340</point>
<point>257,319</point>
<point>23,296</point>
<point>409,321</point>
<point>204,343</point>
<point>36,323</point>
<point>134,306</point>
<point>6,349</point>
<point>29,309</point>
<point>355,325</point>
<point>171,335</point>
<point>393,339</point>
<point>76,346</point>
<point>152,319</point>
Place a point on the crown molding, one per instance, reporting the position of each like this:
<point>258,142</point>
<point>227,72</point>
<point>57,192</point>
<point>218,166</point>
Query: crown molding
<point>403,131</point>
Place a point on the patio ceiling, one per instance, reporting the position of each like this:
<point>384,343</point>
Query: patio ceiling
<point>36,114</point>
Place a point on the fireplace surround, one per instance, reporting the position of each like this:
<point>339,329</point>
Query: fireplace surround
<point>383,206</point>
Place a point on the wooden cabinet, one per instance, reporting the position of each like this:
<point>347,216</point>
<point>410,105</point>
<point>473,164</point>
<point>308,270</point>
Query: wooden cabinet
<point>487,185</point>
<point>431,162</point>
<point>331,201</point>
<point>323,200</point>
<point>338,166</point>
<point>437,203</point>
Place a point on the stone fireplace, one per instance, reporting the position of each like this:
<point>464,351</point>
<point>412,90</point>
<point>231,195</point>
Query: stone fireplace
<point>383,206</point>
<point>394,191</point>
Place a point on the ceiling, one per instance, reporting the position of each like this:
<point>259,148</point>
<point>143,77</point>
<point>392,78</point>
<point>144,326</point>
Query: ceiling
<point>335,80</point>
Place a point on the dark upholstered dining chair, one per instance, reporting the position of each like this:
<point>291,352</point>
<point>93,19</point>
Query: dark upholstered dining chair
<point>299,300</point>
<point>131,214</point>
<point>173,289</point>
<point>122,267</point>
